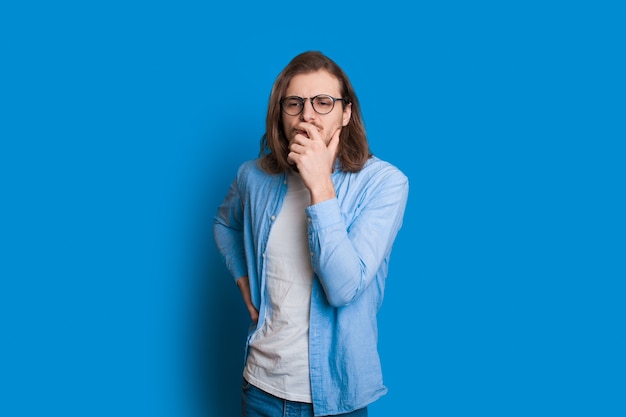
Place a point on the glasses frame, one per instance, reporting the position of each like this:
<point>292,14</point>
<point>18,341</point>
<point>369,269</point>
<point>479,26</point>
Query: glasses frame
<point>302,100</point>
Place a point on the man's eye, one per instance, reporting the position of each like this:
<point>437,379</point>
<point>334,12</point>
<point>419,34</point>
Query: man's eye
<point>324,102</point>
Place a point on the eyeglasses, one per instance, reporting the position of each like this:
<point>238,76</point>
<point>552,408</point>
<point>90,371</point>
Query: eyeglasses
<point>322,104</point>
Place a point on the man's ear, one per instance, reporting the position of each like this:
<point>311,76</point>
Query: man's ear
<point>347,113</point>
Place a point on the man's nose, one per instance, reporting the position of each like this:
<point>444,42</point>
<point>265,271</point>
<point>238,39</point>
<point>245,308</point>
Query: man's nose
<point>308,113</point>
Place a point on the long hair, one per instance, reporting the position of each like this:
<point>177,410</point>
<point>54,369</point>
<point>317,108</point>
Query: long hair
<point>353,149</point>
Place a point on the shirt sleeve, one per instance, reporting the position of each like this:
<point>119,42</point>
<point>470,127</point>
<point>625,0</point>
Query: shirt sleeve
<point>346,257</point>
<point>228,232</point>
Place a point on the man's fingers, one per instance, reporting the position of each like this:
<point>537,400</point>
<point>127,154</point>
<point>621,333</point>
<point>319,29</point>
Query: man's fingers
<point>308,131</point>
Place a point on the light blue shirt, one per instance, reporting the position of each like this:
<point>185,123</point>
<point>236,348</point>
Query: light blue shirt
<point>350,238</point>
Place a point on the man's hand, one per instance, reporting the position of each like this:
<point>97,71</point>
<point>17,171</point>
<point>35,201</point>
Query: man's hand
<point>244,286</point>
<point>315,159</point>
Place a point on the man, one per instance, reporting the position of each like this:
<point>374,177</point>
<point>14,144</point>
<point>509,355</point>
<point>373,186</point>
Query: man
<point>307,230</point>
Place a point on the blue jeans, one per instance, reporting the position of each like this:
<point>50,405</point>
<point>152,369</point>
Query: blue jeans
<point>258,403</point>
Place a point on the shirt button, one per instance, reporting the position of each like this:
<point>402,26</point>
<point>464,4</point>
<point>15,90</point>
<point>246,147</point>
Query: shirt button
<point>311,254</point>
<point>308,219</point>
<point>273,218</point>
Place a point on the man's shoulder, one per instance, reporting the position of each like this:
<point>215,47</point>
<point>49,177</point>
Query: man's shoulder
<point>247,166</point>
<point>250,167</point>
<point>251,170</point>
<point>380,168</point>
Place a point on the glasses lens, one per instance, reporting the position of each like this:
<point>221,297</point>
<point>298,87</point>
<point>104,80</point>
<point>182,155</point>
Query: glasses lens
<point>323,104</point>
<point>292,105</point>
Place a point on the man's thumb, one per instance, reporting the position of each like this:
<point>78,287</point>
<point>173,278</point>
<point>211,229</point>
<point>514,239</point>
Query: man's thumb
<point>334,142</point>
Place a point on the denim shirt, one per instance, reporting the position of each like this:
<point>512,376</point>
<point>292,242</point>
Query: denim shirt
<point>350,238</point>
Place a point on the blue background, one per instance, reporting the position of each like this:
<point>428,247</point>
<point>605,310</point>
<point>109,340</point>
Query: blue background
<point>122,124</point>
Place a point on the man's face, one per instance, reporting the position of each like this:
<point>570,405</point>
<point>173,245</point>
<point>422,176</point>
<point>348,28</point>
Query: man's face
<point>311,85</point>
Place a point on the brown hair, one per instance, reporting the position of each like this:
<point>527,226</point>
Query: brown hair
<point>353,146</point>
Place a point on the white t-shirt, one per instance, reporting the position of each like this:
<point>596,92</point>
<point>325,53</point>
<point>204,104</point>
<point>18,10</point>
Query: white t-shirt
<point>278,360</point>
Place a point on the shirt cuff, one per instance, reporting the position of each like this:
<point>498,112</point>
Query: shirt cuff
<point>324,214</point>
